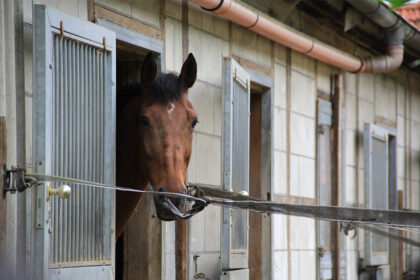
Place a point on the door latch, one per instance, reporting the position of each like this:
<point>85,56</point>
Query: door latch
<point>14,179</point>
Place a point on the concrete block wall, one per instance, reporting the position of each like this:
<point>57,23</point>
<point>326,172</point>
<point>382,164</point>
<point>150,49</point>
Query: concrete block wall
<point>208,40</point>
<point>302,163</point>
<point>369,98</point>
<point>412,193</point>
<point>351,134</point>
<point>142,10</point>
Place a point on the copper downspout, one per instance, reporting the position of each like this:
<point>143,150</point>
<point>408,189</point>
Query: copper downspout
<point>283,34</point>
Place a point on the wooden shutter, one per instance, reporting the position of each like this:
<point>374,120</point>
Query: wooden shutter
<point>74,136</point>
<point>236,122</point>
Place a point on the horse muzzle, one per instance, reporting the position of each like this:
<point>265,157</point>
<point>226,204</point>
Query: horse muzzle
<point>168,209</point>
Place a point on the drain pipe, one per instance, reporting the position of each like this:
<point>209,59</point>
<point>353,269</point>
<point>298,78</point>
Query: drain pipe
<point>379,14</point>
<point>394,54</point>
<point>289,37</point>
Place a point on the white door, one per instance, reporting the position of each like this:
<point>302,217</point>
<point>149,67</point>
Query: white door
<point>74,136</point>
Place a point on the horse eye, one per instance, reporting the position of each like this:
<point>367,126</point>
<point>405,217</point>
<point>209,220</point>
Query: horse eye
<point>144,121</point>
<point>194,122</point>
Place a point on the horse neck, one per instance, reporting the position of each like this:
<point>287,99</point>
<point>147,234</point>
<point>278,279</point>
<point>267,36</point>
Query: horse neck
<point>131,170</point>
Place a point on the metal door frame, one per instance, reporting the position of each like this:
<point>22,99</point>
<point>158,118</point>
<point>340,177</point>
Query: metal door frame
<point>157,47</point>
<point>267,157</point>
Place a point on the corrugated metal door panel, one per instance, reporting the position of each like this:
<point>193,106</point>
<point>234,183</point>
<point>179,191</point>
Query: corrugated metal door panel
<point>240,162</point>
<point>235,141</point>
<point>376,150</point>
<point>74,136</point>
<point>78,150</point>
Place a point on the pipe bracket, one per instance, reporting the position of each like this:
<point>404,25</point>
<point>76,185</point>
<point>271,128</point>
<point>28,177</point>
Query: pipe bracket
<point>215,8</point>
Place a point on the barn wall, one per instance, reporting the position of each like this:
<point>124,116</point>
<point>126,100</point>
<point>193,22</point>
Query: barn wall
<point>208,41</point>
<point>392,99</point>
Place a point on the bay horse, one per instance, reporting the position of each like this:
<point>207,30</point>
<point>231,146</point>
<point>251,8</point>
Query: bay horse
<point>155,123</point>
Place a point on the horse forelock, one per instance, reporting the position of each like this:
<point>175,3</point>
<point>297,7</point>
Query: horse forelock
<point>165,88</point>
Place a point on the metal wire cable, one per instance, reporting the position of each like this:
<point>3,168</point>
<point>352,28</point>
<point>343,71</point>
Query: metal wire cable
<point>400,220</point>
<point>43,177</point>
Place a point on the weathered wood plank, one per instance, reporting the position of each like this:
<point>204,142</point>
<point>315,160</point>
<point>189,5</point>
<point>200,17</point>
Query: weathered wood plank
<point>181,250</point>
<point>181,236</point>
<point>255,219</point>
<point>336,167</point>
<point>129,23</point>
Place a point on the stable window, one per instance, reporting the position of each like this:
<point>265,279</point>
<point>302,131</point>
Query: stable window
<point>236,125</point>
<point>380,185</point>
<point>74,136</point>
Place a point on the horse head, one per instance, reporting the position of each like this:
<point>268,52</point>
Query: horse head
<point>164,121</point>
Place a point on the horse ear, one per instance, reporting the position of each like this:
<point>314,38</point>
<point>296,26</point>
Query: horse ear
<point>189,71</point>
<point>148,69</point>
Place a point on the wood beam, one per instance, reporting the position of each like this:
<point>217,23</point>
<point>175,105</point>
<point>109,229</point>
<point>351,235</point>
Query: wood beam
<point>336,174</point>
<point>181,225</point>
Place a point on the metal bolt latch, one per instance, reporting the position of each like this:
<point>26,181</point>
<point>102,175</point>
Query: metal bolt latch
<point>62,191</point>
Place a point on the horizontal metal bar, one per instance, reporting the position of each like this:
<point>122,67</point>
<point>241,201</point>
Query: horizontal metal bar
<point>331,213</point>
<point>104,262</point>
<point>390,235</point>
<point>210,195</point>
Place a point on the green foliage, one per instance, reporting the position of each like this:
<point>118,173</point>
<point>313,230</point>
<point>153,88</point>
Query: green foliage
<point>395,3</point>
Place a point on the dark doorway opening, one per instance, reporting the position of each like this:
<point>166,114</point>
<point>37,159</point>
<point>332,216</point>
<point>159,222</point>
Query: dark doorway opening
<point>255,181</point>
<point>138,251</point>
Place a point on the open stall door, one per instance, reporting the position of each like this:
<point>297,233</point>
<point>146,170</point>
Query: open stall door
<point>236,123</point>
<point>74,136</point>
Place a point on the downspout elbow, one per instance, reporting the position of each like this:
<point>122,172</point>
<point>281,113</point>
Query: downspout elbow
<point>384,63</point>
<point>393,58</point>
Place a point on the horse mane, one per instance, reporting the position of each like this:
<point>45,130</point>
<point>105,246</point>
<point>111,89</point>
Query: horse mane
<point>165,88</point>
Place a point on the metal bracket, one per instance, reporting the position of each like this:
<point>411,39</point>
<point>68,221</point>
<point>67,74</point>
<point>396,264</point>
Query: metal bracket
<point>14,180</point>
<point>346,227</point>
